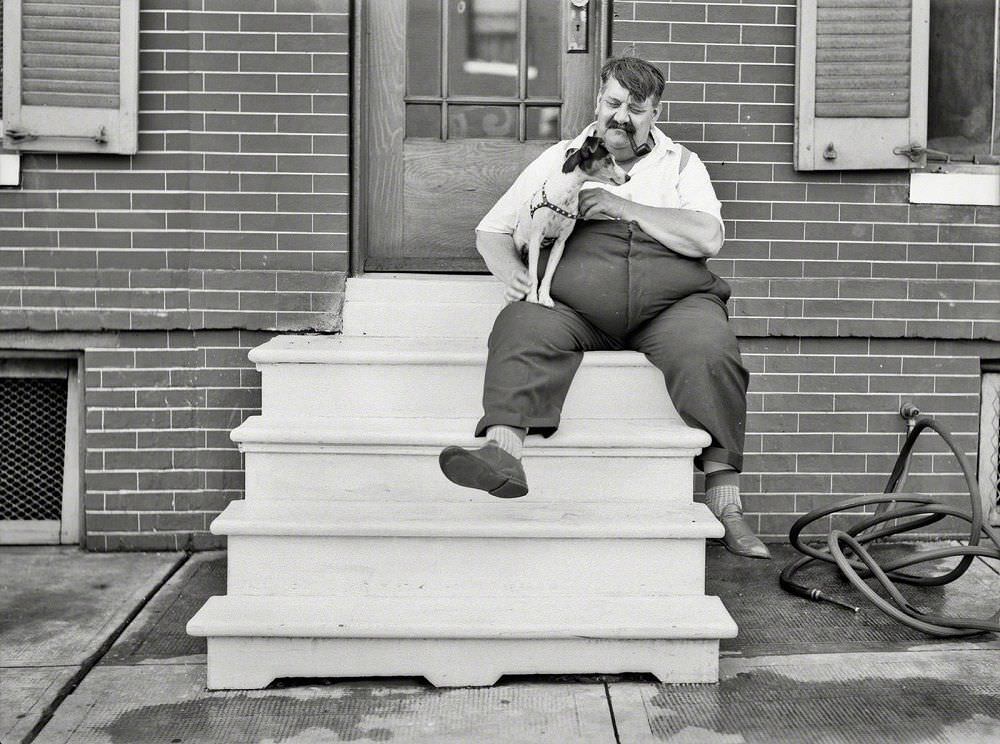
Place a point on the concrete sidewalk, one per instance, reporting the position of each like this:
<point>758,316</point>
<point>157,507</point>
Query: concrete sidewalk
<point>798,671</point>
<point>59,607</point>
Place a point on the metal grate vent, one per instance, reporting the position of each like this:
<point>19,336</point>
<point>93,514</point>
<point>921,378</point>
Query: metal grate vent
<point>989,445</point>
<point>32,447</point>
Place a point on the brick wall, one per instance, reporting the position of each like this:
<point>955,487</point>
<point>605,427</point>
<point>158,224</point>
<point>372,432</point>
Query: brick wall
<point>232,224</point>
<point>231,221</point>
<point>823,421</point>
<point>234,212</point>
<point>848,299</point>
<point>160,464</point>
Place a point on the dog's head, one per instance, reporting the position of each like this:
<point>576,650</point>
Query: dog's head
<point>594,159</point>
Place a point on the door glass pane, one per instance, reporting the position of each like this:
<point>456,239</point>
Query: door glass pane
<point>962,77</point>
<point>483,47</point>
<point>544,48</point>
<point>423,120</point>
<point>543,123</point>
<point>491,122</point>
<point>423,47</point>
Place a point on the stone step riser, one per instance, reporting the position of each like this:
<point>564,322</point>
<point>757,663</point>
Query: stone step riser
<point>406,472</point>
<point>420,320</point>
<point>384,390</point>
<point>422,289</point>
<point>578,568</point>
<point>246,663</point>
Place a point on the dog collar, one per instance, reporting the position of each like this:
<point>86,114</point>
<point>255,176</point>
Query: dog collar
<point>546,204</point>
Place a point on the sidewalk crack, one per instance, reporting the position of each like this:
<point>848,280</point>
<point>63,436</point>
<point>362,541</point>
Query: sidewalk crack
<point>91,661</point>
<point>611,712</point>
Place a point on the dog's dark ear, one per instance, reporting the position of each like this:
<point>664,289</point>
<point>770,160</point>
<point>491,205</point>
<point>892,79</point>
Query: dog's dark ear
<point>591,144</point>
<point>600,150</point>
<point>573,159</point>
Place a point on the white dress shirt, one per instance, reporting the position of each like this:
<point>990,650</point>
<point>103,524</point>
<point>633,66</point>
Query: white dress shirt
<point>654,181</point>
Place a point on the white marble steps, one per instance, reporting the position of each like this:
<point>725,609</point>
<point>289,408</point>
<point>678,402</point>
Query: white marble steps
<point>386,376</point>
<point>375,458</point>
<point>455,641</point>
<point>352,555</point>
<point>421,306</point>
<point>488,546</point>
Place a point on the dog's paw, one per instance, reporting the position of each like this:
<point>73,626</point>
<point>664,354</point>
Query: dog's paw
<point>544,299</point>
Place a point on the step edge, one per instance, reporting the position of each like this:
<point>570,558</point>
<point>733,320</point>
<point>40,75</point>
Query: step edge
<point>689,521</point>
<point>656,435</point>
<point>378,354</point>
<point>230,616</point>
<point>251,528</point>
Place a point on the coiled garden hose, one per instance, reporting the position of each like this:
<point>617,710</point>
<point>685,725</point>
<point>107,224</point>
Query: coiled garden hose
<point>895,514</point>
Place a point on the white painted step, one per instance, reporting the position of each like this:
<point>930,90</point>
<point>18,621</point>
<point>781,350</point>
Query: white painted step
<point>385,376</point>
<point>455,641</point>
<point>394,458</point>
<point>421,305</point>
<point>490,546</point>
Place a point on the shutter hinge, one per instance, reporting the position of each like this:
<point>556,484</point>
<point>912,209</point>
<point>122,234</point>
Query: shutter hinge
<point>914,152</point>
<point>20,135</point>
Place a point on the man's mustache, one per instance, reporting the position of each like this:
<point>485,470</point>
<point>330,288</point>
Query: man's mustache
<point>626,127</point>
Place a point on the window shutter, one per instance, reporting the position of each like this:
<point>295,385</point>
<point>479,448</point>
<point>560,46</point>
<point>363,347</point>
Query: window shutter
<point>71,75</point>
<point>861,83</point>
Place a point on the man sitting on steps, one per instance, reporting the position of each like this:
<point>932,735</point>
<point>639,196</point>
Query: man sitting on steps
<point>633,277</point>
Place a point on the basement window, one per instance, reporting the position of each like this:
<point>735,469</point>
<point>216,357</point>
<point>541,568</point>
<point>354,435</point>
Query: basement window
<point>39,451</point>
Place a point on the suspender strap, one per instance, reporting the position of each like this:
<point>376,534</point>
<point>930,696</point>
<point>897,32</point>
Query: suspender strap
<point>685,157</point>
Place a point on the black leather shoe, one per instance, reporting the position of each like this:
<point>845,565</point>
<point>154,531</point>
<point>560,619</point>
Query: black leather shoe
<point>739,538</point>
<point>489,468</point>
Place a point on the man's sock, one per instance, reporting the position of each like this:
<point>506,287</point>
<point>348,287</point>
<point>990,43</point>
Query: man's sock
<point>510,438</point>
<point>722,489</point>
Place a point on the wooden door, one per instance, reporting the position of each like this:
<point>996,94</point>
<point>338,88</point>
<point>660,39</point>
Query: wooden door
<point>458,96</point>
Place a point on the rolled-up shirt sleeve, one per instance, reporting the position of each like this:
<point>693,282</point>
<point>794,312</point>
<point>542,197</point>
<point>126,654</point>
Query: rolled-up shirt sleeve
<point>694,187</point>
<point>502,217</point>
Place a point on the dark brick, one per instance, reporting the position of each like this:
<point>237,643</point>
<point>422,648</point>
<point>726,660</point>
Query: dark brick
<point>782,74</point>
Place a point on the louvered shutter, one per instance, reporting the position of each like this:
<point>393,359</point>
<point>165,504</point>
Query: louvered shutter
<point>71,75</point>
<point>861,83</point>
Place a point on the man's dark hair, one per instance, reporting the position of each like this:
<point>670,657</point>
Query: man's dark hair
<point>637,76</point>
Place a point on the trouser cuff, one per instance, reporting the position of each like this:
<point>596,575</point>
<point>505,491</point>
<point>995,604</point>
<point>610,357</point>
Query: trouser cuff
<point>544,426</point>
<point>718,454</point>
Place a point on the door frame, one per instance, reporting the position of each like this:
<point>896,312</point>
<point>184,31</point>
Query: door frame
<point>359,115</point>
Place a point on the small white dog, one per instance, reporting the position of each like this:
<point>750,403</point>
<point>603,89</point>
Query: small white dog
<point>551,212</point>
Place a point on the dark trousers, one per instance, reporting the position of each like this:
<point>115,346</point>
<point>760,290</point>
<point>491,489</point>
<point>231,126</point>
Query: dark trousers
<point>667,307</point>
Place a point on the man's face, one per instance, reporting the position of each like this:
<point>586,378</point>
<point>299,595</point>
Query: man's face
<point>617,110</point>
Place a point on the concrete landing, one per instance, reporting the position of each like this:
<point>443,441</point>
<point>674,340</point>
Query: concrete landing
<point>113,705</point>
<point>58,608</point>
<point>950,697</point>
<point>799,672</point>
<point>772,622</point>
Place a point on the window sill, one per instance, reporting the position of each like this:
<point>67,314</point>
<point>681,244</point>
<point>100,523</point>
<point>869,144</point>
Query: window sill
<point>977,185</point>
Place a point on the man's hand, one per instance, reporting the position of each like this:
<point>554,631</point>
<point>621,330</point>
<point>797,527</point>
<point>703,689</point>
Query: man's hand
<point>601,204</point>
<point>517,286</point>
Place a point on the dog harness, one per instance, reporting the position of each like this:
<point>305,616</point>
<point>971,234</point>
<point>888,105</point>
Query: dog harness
<point>546,204</point>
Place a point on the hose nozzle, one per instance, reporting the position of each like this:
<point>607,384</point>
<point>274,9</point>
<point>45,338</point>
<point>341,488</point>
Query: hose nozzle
<point>817,596</point>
